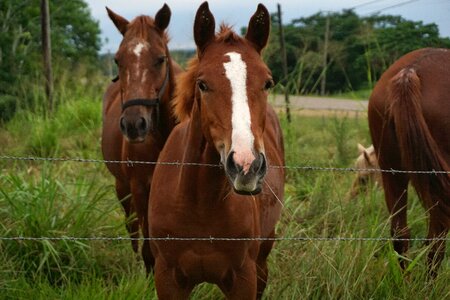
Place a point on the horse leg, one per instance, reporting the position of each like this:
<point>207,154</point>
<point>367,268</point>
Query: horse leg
<point>123,194</point>
<point>396,196</point>
<point>436,229</point>
<point>241,284</point>
<point>261,266</point>
<point>140,191</point>
<point>170,283</point>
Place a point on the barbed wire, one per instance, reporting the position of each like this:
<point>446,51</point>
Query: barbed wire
<point>222,239</point>
<point>177,164</point>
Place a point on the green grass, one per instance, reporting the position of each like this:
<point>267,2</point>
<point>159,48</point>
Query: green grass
<point>73,199</point>
<point>355,95</point>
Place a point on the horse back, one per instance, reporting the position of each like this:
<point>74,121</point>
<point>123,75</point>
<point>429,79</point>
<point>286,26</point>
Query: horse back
<point>432,67</point>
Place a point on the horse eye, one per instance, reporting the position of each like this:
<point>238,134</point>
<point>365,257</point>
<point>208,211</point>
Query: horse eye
<point>202,85</point>
<point>160,60</point>
<point>269,84</point>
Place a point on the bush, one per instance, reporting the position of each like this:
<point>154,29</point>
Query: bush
<point>8,107</point>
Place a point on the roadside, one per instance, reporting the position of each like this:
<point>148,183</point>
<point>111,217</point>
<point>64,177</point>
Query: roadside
<point>313,106</point>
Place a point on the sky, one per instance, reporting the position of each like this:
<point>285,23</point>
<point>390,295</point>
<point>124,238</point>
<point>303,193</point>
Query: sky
<point>238,13</point>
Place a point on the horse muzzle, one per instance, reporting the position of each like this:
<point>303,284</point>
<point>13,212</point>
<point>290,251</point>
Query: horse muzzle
<point>135,129</point>
<point>246,182</point>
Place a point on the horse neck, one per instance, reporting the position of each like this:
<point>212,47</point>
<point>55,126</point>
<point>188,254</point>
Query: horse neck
<point>168,121</point>
<point>213,185</point>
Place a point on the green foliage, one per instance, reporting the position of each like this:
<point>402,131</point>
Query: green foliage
<point>75,40</point>
<point>73,199</point>
<point>182,56</point>
<point>359,49</point>
<point>7,107</point>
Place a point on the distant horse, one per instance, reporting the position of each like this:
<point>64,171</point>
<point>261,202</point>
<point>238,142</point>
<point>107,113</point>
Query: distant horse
<point>137,116</point>
<point>367,159</point>
<point>222,105</point>
<point>409,119</point>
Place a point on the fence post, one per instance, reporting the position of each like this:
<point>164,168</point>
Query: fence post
<point>325,56</point>
<point>284,64</point>
<point>47,53</point>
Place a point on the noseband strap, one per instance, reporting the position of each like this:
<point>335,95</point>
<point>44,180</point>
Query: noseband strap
<point>140,101</point>
<point>150,102</point>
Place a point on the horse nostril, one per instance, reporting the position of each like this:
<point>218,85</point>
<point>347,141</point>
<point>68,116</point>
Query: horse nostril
<point>263,165</point>
<point>231,165</point>
<point>123,126</point>
<point>141,124</point>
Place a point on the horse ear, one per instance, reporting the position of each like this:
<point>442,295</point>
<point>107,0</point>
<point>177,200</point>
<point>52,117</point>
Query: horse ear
<point>120,22</point>
<point>361,149</point>
<point>162,17</point>
<point>204,27</point>
<point>366,156</point>
<point>259,28</point>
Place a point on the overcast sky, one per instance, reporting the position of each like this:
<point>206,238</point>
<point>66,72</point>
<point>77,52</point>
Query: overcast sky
<point>238,13</point>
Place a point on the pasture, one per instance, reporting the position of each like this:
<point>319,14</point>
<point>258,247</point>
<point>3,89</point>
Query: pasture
<point>77,199</point>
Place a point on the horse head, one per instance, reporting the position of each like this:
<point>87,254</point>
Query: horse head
<point>143,64</point>
<point>232,86</point>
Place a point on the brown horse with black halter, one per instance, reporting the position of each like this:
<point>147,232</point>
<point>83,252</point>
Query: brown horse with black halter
<point>222,104</point>
<point>137,116</point>
<point>409,118</point>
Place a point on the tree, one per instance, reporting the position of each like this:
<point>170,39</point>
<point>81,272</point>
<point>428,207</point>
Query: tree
<point>359,49</point>
<point>75,39</point>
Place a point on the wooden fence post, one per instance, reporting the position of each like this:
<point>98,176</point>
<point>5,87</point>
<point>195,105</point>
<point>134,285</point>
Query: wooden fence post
<point>47,53</point>
<point>325,56</point>
<point>284,59</point>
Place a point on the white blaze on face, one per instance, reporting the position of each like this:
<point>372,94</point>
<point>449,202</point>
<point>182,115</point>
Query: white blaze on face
<point>144,76</point>
<point>138,49</point>
<point>241,137</point>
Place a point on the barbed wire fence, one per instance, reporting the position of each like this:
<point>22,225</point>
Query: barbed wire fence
<point>211,238</point>
<point>193,164</point>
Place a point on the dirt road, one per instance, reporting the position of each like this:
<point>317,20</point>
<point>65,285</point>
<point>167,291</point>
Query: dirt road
<point>320,103</point>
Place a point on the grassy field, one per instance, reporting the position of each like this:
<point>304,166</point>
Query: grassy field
<point>77,199</point>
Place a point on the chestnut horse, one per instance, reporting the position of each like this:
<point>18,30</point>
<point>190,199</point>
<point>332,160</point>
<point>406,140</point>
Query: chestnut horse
<point>409,119</point>
<point>137,116</point>
<point>221,102</point>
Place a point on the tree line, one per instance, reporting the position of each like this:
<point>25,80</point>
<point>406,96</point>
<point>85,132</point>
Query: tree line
<point>75,45</point>
<point>359,49</point>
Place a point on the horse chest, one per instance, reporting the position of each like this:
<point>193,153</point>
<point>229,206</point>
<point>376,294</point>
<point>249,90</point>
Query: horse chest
<point>213,262</point>
<point>207,259</point>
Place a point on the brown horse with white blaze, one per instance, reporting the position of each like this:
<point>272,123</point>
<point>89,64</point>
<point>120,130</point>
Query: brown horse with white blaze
<point>409,119</point>
<point>137,116</point>
<point>222,104</point>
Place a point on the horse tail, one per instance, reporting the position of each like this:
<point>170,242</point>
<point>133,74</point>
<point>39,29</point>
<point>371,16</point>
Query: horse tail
<point>418,149</point>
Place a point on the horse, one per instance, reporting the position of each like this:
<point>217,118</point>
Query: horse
<point>409,113</point>
<point>367,159</point>
<point>137,116</point>
<point>225,120</point>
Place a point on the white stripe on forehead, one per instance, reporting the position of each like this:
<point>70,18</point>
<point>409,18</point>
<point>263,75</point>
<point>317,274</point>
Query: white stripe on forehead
<point>138,48</point>
<point>236,71</point>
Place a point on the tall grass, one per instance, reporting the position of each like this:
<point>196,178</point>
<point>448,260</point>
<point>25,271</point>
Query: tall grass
<point>73,199</point>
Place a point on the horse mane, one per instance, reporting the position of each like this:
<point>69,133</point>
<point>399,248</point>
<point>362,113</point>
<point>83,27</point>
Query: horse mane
<point>227,35</point>
<point>185,89</point>
<point>140,26</point>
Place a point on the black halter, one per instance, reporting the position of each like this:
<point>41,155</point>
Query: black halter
<point>150,102</point>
